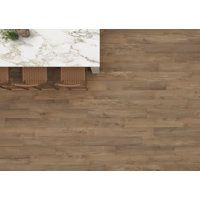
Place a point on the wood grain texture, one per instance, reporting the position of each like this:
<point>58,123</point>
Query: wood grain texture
<point>142,112</point>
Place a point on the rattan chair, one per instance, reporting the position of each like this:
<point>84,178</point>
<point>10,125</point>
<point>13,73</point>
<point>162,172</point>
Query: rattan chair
<point>72,78</point>
<point>33,77</point>
<point>4,78</point>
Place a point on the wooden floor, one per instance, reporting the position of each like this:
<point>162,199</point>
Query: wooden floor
<point>141,113</point>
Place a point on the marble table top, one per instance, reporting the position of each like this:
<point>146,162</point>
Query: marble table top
<point>52,48</point>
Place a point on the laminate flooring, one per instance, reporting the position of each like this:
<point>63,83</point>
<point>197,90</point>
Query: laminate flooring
<point>142,112</point>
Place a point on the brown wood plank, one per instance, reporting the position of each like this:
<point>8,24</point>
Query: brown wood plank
<point>142,112</point>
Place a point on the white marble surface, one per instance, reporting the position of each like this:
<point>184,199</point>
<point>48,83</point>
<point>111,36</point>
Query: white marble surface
<point>61,48</point>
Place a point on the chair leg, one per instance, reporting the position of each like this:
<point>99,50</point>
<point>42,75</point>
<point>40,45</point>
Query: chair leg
<point>25,88</point>
<point>37,87</point>
<point>55,87</point>
<point>5,87</point>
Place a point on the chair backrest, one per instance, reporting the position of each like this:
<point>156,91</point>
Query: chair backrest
<point>4,75</point>
<point>73,75</point>
<point>34,75</point>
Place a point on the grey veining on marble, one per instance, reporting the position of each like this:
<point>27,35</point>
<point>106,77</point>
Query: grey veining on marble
<point>54,47</point>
